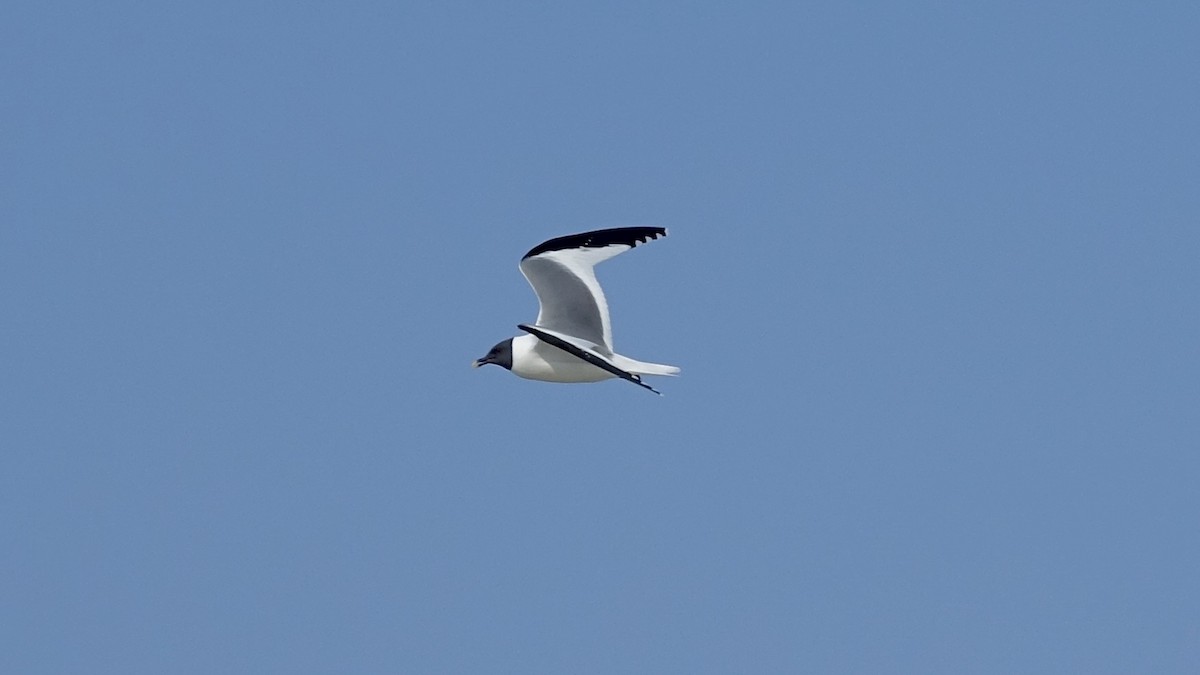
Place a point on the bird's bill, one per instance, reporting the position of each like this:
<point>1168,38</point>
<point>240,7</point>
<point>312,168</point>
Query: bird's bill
<point>478,362</point>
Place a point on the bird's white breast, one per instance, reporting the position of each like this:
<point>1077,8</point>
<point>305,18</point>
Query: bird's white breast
<point>536,360</point>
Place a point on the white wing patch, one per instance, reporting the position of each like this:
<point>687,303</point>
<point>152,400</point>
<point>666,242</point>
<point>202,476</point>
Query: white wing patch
<point>570,298</point>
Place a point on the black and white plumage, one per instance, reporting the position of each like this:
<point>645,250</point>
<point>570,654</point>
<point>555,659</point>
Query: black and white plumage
<point>572,338</point>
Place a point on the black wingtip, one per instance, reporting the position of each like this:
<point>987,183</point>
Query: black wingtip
<point>628,236</point>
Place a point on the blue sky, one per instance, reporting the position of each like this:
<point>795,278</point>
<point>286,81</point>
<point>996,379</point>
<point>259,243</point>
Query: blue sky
<point>931,276</point>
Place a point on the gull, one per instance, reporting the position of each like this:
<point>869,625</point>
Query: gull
<point>571,341</point>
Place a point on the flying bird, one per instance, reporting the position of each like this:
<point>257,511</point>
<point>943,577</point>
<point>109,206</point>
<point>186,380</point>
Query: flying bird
<point>571,341</point>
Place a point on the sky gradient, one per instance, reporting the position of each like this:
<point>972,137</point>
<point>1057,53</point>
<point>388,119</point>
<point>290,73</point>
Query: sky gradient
<point>932,278</point>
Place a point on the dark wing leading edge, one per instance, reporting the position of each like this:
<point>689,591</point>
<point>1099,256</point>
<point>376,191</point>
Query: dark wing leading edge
<point>562,274</point>
<point>616,236</point>
<point>590,357</point>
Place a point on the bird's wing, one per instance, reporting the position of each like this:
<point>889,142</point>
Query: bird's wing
<point>562,274</point>
<point>584,350</point>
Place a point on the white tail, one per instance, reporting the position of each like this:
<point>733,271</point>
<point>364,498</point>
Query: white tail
<point>641,367</point>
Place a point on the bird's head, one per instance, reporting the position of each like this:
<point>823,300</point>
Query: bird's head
<point>500,355</point>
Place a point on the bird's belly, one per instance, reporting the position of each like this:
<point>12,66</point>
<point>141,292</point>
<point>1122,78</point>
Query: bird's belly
<point>554,365</point>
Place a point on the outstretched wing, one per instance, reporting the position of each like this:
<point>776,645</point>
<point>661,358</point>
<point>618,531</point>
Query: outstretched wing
<point>564,343</point>
<point>562,274</point>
